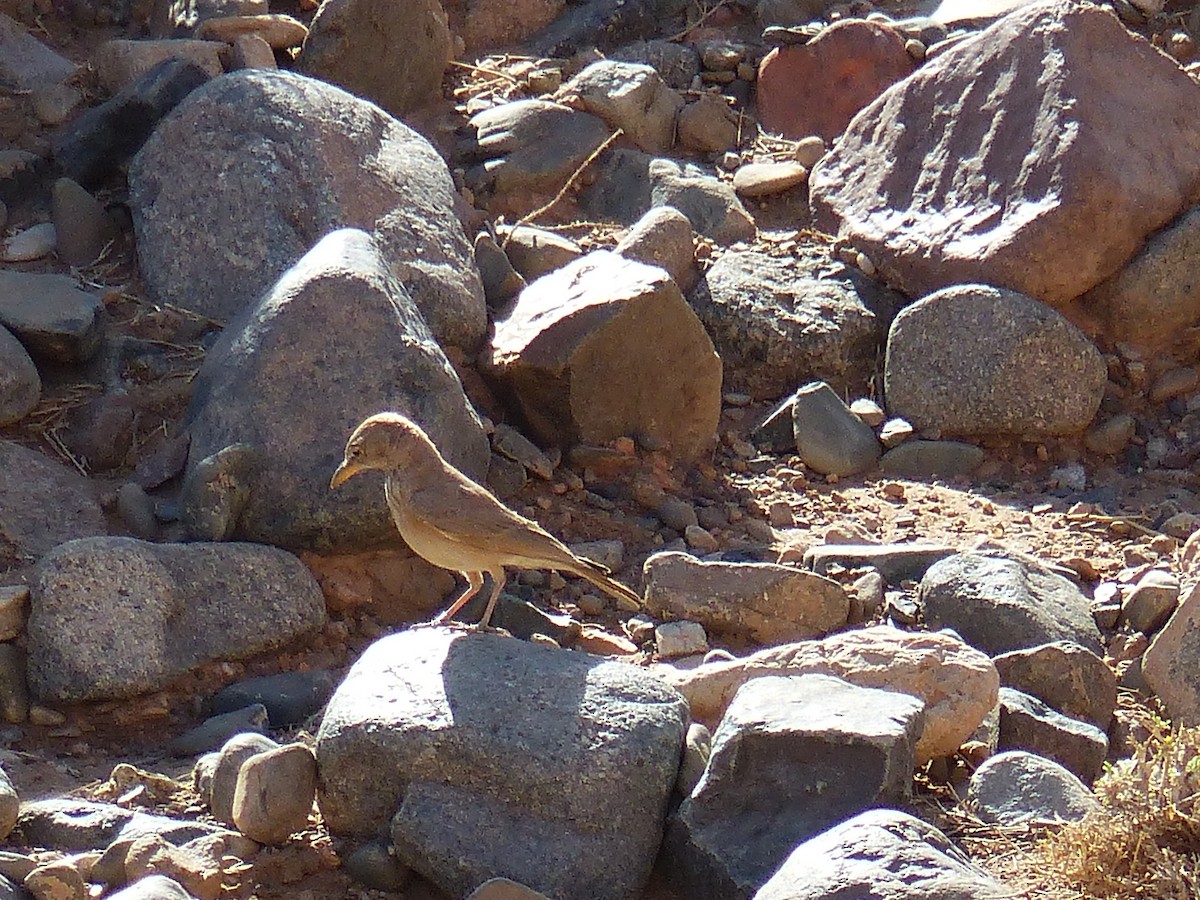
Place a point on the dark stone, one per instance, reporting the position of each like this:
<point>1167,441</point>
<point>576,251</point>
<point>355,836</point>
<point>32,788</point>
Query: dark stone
<point>94,145</point>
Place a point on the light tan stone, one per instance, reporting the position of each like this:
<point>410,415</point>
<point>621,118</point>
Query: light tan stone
<point>959,684</point>
<point>280,31</point>
<point>275,793</point>
<point>607,347</point>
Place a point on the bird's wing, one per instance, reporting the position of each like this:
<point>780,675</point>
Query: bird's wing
<point>465,513</point>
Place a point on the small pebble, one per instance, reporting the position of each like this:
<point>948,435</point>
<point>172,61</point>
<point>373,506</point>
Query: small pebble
<point>30,244</point>
<point>591,604</point>
<point>780,514</point>
<point>676,514</point>
<point>870,412</point>
<point>699,539</point>
<point>675,639</point>
<point>809,150</point>
<point>14,601</point>
<point>49,718</point>
<point>915,49</point>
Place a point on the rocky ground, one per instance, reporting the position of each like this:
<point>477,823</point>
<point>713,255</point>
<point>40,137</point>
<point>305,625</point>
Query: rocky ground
<point>1107,497</point>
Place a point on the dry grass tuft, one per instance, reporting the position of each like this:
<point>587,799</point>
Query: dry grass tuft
<point>1146,842</point>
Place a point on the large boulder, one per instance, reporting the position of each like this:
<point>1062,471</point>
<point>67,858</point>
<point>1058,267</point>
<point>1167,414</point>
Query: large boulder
<point>819,86</point>
<point>780,321</point>
<point>999,604</point>
<point>781,746</point>
<point>489,757</point>
<point>606,347</point>
<point>336,339</point>
<point>257,166</point>
<point>114,616</point>
<point>392,54</point>
<point>1013,159</point>
<point>973,359</point>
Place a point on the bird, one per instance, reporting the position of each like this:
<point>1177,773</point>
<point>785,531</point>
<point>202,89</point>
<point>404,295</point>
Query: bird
<point>453,522</point>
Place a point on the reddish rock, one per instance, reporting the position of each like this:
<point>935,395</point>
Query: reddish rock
<point>484,24</point>
<point>817,88</point>
<point>606,347</point>
<point>1013,159</point>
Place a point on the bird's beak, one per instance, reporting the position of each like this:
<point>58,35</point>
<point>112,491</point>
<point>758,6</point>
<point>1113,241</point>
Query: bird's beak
<point>344,473</point>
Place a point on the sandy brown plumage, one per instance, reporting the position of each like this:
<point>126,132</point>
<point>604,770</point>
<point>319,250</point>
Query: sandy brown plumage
<point>451,521</point>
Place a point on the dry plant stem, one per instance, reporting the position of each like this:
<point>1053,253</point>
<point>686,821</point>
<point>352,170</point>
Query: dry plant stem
<point>1100,519</point>
<point>495,73</point>
<point>700,21</point>
<point>542,210</point>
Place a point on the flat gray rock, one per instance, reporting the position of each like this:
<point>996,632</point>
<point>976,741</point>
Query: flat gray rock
<point>1027,723</point>
<point>881,854</point>
<point>75,826</point>
<point>1016,786</point>
<point>895,562</point>
<point>284,160</point>
<point>973,359</point>
<point>792,756</point>
<point>51,315</point>
<point>469,745</point>
<point>999,604</point>
<point>337,339</point>
<point>629,183</point>
<point>114,616</point>
<point>782,321</point>
<point>930,459</point>
<point>767,603</point>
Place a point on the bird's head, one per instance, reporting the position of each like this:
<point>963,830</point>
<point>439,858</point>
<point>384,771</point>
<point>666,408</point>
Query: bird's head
<point>385,441</point>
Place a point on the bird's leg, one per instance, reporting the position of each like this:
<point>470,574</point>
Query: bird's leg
<point>474,583</point>
<point>497,586</point>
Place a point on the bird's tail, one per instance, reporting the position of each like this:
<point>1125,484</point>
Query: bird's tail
<point>598,575</point>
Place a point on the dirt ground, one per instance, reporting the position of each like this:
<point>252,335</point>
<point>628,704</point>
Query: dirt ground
<point>1015,501</point>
